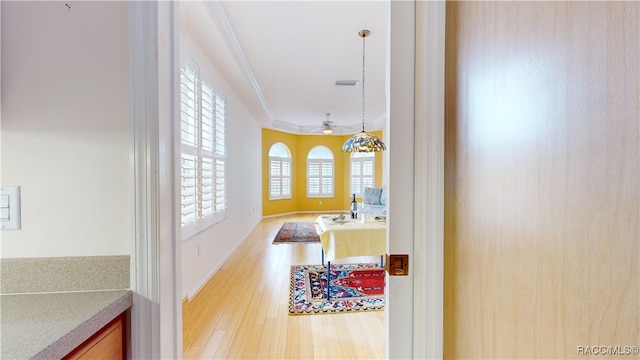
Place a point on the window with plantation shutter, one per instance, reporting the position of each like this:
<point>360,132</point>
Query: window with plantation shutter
<point>202,151</point>
<point>362,172</point>
<point>320,176</point>
<point>279,172</point>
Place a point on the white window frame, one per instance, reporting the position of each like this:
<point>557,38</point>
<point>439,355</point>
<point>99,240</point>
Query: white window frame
<point>321,178</point>
<point>281,176</point>
<point>360,160</point>
<point>203,190</point>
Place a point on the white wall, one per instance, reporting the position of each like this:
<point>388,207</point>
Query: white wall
<point>244,187</point>
<point>65,127</point>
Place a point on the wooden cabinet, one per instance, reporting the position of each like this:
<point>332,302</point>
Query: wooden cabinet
<point>108,343</point>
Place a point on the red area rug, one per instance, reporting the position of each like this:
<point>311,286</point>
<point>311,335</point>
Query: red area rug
<point>296,233</point>
<point>354,287</point>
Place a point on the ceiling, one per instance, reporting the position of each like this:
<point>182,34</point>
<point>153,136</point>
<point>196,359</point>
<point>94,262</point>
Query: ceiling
<point>282,58</point>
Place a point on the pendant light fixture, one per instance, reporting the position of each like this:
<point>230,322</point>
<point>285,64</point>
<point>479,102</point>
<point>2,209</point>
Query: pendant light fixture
<point>363,141</point>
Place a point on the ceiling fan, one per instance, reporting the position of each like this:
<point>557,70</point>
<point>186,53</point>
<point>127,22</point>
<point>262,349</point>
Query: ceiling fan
<point>327,126</point>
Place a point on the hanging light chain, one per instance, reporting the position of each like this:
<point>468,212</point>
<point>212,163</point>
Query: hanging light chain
<point>364,34</point>
<point>363,142</point>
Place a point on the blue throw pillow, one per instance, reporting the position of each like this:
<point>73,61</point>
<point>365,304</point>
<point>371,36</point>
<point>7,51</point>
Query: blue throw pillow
<point>372,195</point>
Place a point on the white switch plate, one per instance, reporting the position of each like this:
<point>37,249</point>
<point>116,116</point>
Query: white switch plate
<point>12,211</point>
<point>4,201</point>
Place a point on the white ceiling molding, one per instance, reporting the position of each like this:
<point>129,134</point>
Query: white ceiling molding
<point>287,127</point>
<point>232,40</point>
<point>380,122</point>
<point>283,61</point>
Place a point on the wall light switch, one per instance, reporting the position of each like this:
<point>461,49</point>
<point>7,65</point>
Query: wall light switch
<point>10,207</point>
<point>4,201</point>
<point>4,207</point>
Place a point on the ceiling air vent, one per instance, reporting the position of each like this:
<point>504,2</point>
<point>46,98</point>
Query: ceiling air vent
<point>346,82</point>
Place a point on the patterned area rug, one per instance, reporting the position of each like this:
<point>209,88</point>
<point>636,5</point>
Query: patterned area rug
<point>296,233</point>
<point>354,287</point>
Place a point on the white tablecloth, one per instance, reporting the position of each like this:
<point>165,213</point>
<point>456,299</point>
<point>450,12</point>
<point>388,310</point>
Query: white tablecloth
<point>353,238</point>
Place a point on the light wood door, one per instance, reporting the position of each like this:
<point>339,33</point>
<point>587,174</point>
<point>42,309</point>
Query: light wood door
<point>542,179</point>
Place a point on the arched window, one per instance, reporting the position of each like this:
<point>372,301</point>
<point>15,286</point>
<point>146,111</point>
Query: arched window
<point>279,172</point>
<point>362,171</point>
<point>320,172</point>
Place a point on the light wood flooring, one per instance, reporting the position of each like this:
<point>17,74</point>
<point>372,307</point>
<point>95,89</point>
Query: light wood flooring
<point>242,311</point>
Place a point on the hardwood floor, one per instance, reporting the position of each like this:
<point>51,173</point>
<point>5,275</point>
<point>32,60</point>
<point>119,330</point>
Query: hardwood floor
<point>242,311</point>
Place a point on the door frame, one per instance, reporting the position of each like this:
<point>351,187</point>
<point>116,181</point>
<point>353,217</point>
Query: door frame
<point>418,104</point>
<point>156,314</point>
<point>416,216</point>
<point>414,311</point>
<point>429,180</point>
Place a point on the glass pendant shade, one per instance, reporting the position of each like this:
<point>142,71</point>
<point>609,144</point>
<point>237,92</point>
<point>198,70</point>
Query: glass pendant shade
<point>363,141</point>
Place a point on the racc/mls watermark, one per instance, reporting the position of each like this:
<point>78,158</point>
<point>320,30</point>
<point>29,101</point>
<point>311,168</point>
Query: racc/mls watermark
<point>608,350</point>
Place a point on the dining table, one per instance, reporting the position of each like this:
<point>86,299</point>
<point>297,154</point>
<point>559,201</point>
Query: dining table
<point>343,237</point>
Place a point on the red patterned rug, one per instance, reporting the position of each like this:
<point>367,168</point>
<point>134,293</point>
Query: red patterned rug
<point>354,287</point>
<point>296,233</point>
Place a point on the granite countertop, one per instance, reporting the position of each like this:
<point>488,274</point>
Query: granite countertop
<point>50,325</point>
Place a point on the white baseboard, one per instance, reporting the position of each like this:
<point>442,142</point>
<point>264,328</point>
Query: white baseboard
<point>341,211</point>
<point>196,289</point>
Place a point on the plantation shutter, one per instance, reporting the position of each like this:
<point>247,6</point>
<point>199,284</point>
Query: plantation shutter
<point>367,173</point>
<point>279,172</point>
<point>188,145</point>
<point>274,178</point>
<point>313,182</point>
<point>356,177</point>
<point>327,178</point>
<point>202,151</point>
<point>220,195</point>
<point>286,177</point>
<point>320,172</point>
<point>279,178</point>
<point>362,172</point>
<point>206,154</point>
<point>320,178</point>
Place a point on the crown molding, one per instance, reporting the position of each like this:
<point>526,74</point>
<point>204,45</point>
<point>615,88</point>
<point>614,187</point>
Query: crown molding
<point>232,40</point>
